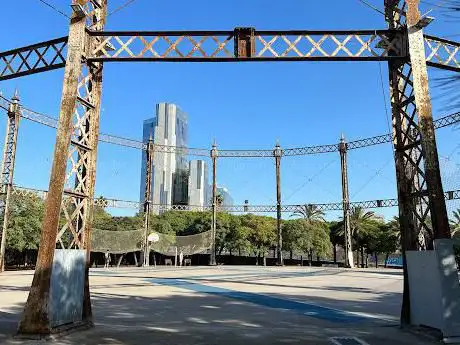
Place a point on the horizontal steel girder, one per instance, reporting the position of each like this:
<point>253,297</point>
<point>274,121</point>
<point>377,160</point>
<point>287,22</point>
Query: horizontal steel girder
<point>40,57</point>
<point>221,46</point>
<point>337,206</point>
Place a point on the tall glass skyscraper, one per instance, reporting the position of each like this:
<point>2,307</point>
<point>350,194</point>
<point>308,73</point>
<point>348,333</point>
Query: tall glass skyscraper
<point>170,170</point>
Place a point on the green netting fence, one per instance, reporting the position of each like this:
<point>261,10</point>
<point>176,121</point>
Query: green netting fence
<point>119,242</point>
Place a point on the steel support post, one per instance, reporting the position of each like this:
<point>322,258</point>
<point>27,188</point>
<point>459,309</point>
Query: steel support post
<point>343,149</point>
<point>277,153</point>
<point>9,157</point>
<point>214,154</point>
<point>422,208</point>
<point>73,170</point>
<point>148,199</point>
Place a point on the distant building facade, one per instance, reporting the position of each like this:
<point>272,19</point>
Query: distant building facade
<point>198,187</point>
<point>227,199</point>
<point>170,170</point>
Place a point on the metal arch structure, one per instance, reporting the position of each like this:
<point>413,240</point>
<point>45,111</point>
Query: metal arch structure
<point>135,205</point>
<point>50,121</point>
<point>403,45</point>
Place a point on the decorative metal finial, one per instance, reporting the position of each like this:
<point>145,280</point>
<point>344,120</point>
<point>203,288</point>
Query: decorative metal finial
<point>15,98</point>
<point>214,144</point>
<point>342,138</point>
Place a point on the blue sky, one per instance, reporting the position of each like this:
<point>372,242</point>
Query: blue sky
<point>248,105</point>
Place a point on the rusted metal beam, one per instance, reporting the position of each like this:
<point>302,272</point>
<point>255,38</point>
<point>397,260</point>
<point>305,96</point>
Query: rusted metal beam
<point>442,53</point>
<point>36,318</point>
<point>278,153</point>
<point>35,58</point>
<point>437,204</point>
<point>149,152</point>
<point>78,125</point>
<point>406,155</point>
<point>343,148</point>
<point>248,44</point>
<point>49,121</point>
<point>215,46</point>
<point>91,99</point>
<point>246,208</point>
<point>214,155</point>
<point>9,159</point>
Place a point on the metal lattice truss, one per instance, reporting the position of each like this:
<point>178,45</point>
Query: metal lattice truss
<point>300,151</point>
<point>40,57</point>
<point>240,44</point>
<point>262,45</point>
<point>409,155</point>
<point>81,162</point>
<point>9,153</point>
<point>9,150</point>
<point>442,53</point>
<point>77,180</point>
<point>245,153</point>
<point>135,205</point>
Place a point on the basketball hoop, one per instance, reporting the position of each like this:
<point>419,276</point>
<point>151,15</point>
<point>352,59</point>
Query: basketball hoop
<point>153,237</point>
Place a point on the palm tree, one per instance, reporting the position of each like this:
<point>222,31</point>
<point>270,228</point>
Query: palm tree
<point>361,224</point>
<point>314,219</point>
<point>455,223</point>
<point>311,213</point>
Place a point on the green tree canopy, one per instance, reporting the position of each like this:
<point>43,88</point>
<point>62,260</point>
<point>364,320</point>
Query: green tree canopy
<point>24,225</point>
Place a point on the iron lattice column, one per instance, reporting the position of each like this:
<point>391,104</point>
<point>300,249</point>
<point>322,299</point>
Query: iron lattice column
<point>9,157</point>
<point>148,199</point>
<point>277,153</point>
<point>420,196</point>
<point>73,173</point>
<point>214,154</point>
<point>343,149</point>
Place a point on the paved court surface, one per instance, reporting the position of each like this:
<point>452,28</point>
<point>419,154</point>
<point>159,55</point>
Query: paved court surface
<point>230,305</point>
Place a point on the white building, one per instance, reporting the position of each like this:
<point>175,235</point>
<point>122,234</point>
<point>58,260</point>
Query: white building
<point>198,183</point>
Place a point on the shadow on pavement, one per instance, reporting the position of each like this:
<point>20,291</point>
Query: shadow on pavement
<point>195,318</point>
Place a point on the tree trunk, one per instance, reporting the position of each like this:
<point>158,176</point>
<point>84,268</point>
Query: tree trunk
<point>135,259</point>
<point>141,258</point>
<point>387,256</point>
<point>317,258</point>
<point>119,260</point>
<point>239,251</point>
<point>290,254</point>
<point>311,257</point>
<point>335,253</point>
<point>301,260</point>
<point>230,253</point>
<point>362,257</point>
<point>376,260</point>
<point>264,259</point>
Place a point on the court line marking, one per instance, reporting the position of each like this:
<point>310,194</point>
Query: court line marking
<point>303,308</point>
